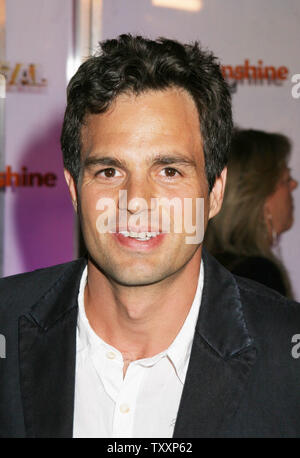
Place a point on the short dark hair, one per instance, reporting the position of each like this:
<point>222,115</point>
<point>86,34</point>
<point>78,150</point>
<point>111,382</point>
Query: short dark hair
<point>134,64</point>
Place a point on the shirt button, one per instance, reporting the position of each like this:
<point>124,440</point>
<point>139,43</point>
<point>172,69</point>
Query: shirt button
<point>110,355</point>
<point>124,408</point>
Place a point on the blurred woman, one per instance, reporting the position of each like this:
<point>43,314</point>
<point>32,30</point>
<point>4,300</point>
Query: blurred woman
<point>257,208</point>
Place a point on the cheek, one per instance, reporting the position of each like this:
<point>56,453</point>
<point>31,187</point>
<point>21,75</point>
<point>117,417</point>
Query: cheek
<point>87,216</point>
<point>90,207</point>
<point>281,209</point>
<point>275,202</point>
<point>284,202</point>
<point>289,196</point>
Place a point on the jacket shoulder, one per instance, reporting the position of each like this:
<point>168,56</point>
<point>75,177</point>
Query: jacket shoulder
<point>262,293</point>
<point>22,290</point>
<point>271,318</point>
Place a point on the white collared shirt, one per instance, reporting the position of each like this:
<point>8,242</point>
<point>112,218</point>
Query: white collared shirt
<point>146,401</point>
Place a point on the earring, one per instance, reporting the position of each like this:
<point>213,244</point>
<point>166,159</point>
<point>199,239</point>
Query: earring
<point>274,234</point>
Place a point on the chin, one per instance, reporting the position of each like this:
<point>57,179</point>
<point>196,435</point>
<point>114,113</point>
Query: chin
<point>133,275</point>
<point>135,280</point>
<point>287,226</point>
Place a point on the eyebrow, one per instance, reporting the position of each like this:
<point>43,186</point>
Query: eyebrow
<point>160,159</point>
<point>173,159</point>
<point>106,160</point>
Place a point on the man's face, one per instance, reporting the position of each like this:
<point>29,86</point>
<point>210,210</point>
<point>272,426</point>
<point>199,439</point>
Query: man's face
<point>150,147</point>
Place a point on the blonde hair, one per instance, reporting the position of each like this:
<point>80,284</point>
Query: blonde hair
<point>256,162</point>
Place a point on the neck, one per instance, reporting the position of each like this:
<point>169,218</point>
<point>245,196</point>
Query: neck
<point>140,321</point>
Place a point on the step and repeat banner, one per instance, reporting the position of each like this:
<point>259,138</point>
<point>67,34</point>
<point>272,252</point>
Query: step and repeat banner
<point>38,216</point>
<point>258,38</point>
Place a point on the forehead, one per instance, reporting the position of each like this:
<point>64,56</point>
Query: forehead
<point>167,120</point>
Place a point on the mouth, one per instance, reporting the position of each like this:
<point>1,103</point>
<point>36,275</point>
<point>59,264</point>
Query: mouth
<point>141,240</point>
<point>141,236</point>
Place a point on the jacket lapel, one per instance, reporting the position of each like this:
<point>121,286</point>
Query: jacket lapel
<point>222,356</point>
<point>47,351</point>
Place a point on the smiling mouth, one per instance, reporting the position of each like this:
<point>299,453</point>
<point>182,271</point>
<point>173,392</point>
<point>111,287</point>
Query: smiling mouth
<point>141,236</point>
<point>139,240</point>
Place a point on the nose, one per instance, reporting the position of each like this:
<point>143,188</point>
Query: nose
<point>138,196</point>
<point>294,184</point>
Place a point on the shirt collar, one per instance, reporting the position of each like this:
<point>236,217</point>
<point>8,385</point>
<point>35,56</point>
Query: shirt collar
<point>178,352</point>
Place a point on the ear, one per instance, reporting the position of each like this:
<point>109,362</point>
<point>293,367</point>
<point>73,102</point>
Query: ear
<point>72,188</point>
<point>217,194</point>
<point>266,208</point>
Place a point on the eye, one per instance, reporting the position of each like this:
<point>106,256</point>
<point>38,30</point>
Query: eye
<point>170,172</point>
<point>110,172</point>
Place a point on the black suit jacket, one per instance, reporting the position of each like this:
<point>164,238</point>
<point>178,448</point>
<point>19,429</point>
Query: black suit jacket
<point>242,379</point>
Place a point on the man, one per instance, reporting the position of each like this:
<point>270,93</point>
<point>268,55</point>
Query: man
<point>150,336</point>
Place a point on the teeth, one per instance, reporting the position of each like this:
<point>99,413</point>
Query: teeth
<point>143,236</point>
